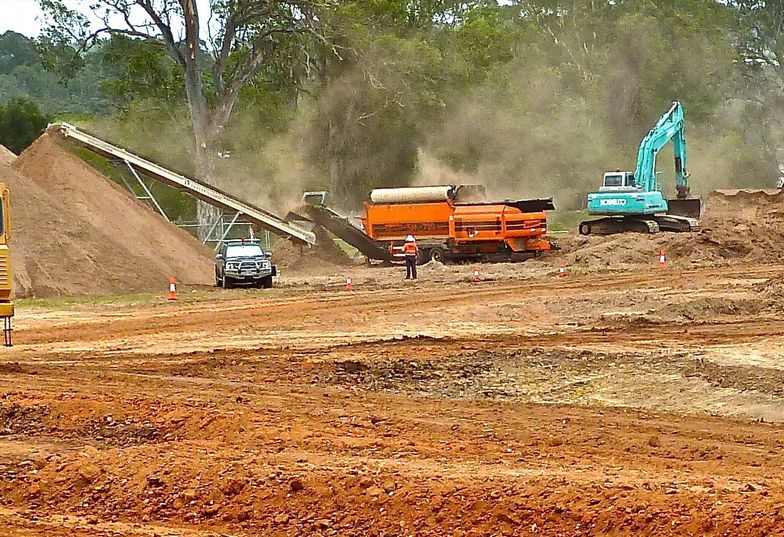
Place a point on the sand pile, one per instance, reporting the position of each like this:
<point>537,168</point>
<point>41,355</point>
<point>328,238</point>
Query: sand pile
<point>748,226</point>
<point>6,156</point>
<point>326,255</point>
<point>285,254</point>
<point>292,259</point>
<point>74,232</point>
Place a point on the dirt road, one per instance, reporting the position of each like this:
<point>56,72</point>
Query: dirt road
<point>637,403</point>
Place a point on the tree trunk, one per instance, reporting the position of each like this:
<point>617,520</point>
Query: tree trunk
<point>206,214</point>
<point>203,132</point>
<point>337,138</point>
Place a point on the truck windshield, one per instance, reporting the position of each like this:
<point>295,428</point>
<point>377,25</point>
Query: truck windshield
<point>615,179</point>
<point>244,250</point>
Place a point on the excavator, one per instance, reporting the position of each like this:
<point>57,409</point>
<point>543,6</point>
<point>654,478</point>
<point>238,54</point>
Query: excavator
<point>632,202</point>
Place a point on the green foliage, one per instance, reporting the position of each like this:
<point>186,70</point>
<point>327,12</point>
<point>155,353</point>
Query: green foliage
<point>21,122</point>
<point>534,97</point>
<point>139,69</point>
<point>16,50</point>
<point>22,74</point>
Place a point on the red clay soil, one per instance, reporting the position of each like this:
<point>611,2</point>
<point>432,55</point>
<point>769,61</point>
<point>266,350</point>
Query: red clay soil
<point>410,410</point>
<point>75,232</point>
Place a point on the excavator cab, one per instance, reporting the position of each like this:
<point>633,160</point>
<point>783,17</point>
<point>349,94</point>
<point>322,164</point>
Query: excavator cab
<point>618,181</point>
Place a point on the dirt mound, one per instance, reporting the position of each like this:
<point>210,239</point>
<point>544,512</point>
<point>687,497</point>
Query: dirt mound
<point>737,226</point>
<point>285,254</point>
<point>6,156</point>
<point>300,259</point>
<point>74,232</point>
<point>708,308</point>
<point>325,256</point>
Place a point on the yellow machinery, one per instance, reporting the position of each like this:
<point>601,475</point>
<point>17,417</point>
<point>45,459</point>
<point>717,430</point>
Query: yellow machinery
<point>6,304</point>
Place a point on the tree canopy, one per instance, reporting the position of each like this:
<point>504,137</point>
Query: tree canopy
<point>21,122</point>
<point>530,97</point>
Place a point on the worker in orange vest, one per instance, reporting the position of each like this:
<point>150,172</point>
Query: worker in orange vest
<point>410,249</point>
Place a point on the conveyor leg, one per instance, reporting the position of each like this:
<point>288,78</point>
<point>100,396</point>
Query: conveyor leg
<point>227,230</point>
<point>147,191</point>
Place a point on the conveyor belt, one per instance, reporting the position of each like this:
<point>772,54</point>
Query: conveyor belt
<point>342,228</point>
<point>192,187</point>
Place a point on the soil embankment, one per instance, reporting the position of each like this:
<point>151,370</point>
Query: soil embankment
<point>744,226</point>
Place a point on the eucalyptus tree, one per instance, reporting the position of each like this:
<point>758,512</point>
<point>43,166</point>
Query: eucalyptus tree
<point>218,46</point>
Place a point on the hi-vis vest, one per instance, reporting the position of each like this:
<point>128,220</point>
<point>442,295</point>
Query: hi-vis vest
<point>410,248</point>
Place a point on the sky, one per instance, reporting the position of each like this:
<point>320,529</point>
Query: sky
<point>20,16</point>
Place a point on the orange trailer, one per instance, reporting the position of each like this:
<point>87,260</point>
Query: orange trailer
<point>447,228</point>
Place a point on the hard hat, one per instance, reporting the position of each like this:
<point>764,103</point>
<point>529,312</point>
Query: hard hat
<point>410,238</point>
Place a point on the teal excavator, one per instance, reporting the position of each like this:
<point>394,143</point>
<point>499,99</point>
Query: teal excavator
<point>632,201</point>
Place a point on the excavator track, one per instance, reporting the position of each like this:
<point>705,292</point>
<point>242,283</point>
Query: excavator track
<point>611,226</point>
<point>633,224</point>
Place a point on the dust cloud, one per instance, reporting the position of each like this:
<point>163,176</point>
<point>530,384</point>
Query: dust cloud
<point>525,140</point>
<point>431,171</point>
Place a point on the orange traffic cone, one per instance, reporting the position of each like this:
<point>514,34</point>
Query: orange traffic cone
<point>476,276</point>
<point>172,289</point>
<point>662,259</point>
<point>562,270</point>
<point>349,284</point>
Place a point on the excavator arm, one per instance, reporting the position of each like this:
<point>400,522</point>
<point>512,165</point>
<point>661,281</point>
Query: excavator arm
<point>669,127</point>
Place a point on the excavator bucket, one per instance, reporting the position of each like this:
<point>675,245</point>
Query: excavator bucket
<point>688,207</point>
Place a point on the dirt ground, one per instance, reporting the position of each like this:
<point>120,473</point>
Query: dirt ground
<point>640,402</point>
<point>737,226</point>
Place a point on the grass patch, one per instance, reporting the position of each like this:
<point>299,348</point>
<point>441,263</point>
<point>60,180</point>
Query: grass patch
<point>68,302</point>
<point>565,220</point>
<point>186,295</point>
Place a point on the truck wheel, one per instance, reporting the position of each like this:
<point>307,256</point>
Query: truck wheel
<point>224,282</point>
<point>266,282</point>
<point>437,254</point>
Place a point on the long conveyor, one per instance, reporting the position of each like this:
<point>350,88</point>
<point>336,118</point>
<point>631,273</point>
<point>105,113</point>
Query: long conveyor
<point>192,187</point>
